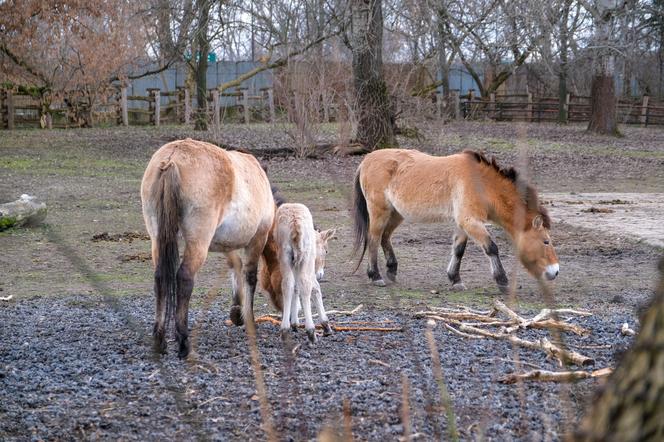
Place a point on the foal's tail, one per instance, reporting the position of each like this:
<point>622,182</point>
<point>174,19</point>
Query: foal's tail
<point>167,197</point>
<point>297,245</point>
<point>360,220</point>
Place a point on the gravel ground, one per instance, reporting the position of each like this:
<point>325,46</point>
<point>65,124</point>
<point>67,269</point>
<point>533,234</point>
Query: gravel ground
<point>80,367</point>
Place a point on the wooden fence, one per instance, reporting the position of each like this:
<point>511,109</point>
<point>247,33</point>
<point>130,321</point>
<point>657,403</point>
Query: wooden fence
<point>158,107</point>
<point>525,107</point>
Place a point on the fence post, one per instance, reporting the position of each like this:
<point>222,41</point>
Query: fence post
<point>457,104</point>
<point>187,106</point>
<point>216,109</point>
<point>566,105</point>
<point>270,103</point>
<point>492,106</point>
<point>529,107</point>
<point>644,111</point>
<point>9,105</point>
<point>157,107</point>
<point>123,106</point>
<point>245,103</point>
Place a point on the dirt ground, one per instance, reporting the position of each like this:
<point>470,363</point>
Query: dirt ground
<point>75,359</point>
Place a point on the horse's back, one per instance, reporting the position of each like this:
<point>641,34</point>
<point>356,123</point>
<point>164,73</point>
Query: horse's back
<point>420,187</point>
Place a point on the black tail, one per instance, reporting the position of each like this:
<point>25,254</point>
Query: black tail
<point>167,196</point>
<point>360,220</point>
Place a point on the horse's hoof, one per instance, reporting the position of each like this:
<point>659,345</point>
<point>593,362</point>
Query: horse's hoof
<point>311,334</point>
<point>184,349</point>
<point>159,347</point>
<point>504,289</point>
<point>236,315</point>
<point>459,287</point>
<point>392,277</point>
<point>327,330</point>
<point>379,283</point>
<point>294,327</point>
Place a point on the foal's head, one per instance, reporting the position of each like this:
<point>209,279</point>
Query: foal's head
<point>321,250</point>
<point>536,250</point>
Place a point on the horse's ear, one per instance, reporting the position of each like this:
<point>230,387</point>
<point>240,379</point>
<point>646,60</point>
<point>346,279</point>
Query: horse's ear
<point>326,235</point>
<point>538,222</point>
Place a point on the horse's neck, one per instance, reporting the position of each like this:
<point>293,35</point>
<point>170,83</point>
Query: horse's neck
<point>510,212</point>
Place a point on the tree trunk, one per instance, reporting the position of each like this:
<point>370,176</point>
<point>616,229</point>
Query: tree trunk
<point>201,122</point>
<point>375,114</point>
<point>562,75</point>
<point>24,211</point>
<point>603,119</point>
<point>631,405</point>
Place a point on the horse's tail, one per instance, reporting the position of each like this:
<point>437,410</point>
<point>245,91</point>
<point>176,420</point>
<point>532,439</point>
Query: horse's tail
<point>360,220</point>
<point>168,205</point>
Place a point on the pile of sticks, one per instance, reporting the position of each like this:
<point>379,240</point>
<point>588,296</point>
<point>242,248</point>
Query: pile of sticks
<point>502,323</point>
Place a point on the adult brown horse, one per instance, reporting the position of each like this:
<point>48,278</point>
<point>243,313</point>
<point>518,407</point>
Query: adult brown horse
<point>216,200</point>
<point>393,185</point>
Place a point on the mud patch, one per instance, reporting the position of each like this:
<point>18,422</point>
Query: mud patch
<point>637,215</point>
<point>118,237</point>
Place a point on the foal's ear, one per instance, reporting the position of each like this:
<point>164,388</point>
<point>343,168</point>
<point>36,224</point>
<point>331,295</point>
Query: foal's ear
<point>538,221</point>
<point>327,234</point>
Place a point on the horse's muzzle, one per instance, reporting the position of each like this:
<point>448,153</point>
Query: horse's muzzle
<point>551,271</point>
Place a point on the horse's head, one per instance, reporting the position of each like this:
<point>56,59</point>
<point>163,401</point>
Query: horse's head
<point>536,250</point>
<point>321,250</point>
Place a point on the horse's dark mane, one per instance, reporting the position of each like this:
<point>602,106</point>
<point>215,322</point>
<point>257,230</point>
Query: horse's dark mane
<point>527,191</point>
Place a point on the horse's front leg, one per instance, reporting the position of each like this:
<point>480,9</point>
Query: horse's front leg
<point>250,273</point>
<point>460,240</point>
<point>476,229</point>
<point>237,284</point>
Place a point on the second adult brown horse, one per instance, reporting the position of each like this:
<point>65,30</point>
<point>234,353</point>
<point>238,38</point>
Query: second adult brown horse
<point>393,185</point>
<point>216,200</point>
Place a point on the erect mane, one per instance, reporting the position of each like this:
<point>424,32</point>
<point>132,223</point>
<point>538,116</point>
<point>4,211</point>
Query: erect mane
<point>526,190</point>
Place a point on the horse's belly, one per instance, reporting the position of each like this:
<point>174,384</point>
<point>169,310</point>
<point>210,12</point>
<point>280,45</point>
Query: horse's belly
<point>421,211</point>
<point>233,233</point>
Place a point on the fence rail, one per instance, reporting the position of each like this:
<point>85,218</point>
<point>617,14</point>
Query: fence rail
<point>525,107</point>
<point>156,108</point>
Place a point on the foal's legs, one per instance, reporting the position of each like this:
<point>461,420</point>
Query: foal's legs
<point>386,243</point>
<point>237,281</point>
<point>479,233</point>
<point>327,330</point>
<point>288,293</point>
<point>458,248</point>
<point>304,285</point>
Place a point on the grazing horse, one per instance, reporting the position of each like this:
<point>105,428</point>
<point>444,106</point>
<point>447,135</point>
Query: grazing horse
<point>293,263</point>
<point>393,185</point>
<point>217,201</point>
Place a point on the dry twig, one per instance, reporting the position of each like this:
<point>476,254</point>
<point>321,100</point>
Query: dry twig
<point>555,376</point>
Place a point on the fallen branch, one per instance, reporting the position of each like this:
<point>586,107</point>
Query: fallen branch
<point>563,356</point>
<point>371,327</point>
<point>555,376</point>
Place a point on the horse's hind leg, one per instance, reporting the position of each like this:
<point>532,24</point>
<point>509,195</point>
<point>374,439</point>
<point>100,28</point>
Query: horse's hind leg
<point>458,248</point>
<point>386,243</point>
<point>379,217</point>
<point>237,282</point>
<point>476,230</point>
<point>327,330</point>
<point>195,253</point>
